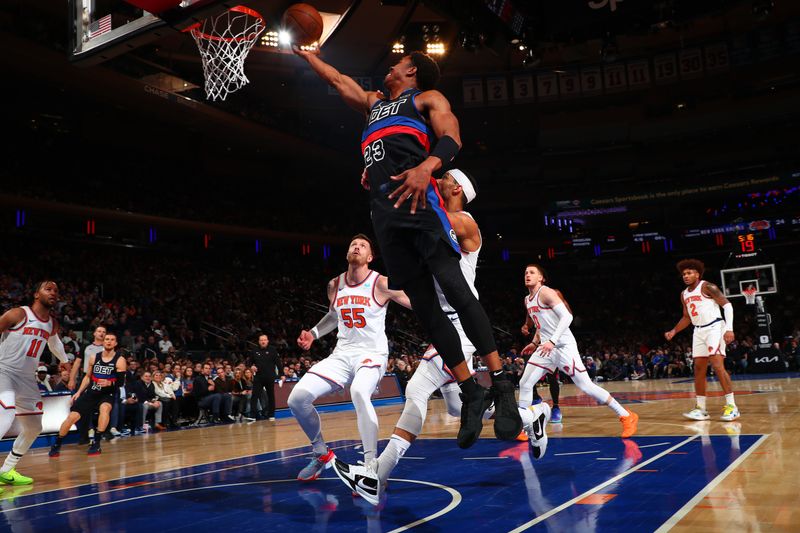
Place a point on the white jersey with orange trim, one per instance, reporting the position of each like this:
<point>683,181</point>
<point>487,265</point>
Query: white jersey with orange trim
<point>702,310</point>
<point>469,265</point>
<point>546,320</point>
<point>22,345</point>
<point>362,317</point>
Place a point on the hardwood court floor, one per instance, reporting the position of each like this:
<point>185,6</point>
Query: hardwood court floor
<point>757,490</point>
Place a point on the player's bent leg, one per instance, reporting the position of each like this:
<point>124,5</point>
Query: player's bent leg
<point>730,412</point>
<point>361,389</point>
<point>530,377</point>
<point>30,428</point>
<point>452,400</point>
<point>72,418</point>
<point>7,410</point>
<point>629,419</point>
<point>102,425</point>
<point>368,480</point>
<point>445,268</point>
<point>301,403</point>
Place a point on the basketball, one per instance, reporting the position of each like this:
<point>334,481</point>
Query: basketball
<point>304,23</point>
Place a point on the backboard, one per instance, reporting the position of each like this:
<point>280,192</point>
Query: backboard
<point>102,29</point>
<point>762,277</point>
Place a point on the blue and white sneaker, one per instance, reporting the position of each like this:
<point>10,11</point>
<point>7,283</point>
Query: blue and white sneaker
<point>318,464</point>
<point>555,417</point>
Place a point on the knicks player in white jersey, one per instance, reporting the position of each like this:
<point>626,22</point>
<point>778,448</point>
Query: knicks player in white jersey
<point>24,332</point>
<point>701,301</point>
<point>358,299</point>
<point>456,189</point>
<point>559,351</point>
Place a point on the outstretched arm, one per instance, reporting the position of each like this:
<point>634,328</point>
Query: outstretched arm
<point>351,92</point>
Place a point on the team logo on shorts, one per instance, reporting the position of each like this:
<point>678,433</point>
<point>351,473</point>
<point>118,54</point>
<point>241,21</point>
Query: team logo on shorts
<point>366,361</point>
<point>39,406</point>
<point>710,349</point>
<point>453,235</point>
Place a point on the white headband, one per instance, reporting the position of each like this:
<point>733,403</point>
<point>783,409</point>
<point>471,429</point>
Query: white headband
<point>466,184</point>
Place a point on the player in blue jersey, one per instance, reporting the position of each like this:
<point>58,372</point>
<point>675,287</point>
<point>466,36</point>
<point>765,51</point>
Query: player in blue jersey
<point>410,133</point>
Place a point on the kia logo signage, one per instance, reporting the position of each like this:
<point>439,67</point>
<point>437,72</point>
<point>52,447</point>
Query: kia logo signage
<point>773,359</point>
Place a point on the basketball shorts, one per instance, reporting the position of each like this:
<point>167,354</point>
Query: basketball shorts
<point>89,402</point>
<point>564,357</point>
<point>433,365</point>
<point>709,340</point>
<point>407,242</point>
<point>19,392</point>
<point>341,368</point>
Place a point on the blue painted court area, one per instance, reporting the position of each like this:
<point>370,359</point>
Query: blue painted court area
<point>597,484</point>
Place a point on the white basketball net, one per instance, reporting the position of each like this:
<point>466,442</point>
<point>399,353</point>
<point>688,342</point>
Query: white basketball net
<point>224,42</point>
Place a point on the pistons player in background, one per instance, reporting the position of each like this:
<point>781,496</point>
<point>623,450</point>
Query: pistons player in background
<point>357,309</point>
<point>97,392</point>
<point>700,301</point>
<point>25,331</point>
<point>409,134</point>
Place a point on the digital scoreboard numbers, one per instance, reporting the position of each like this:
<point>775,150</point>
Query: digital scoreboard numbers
<point>747,243</point>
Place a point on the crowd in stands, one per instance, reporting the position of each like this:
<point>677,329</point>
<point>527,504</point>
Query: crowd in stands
<point>187,325</point>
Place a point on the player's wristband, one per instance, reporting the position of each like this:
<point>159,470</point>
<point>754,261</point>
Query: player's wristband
<point>314,333</point>
<point>446,149</point>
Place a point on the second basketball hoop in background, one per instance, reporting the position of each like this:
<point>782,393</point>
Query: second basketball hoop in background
<point>224,42</point>
<point>304,23</point>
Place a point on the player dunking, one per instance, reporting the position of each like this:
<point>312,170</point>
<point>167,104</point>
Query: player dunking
<point>106,375</point>
<point>457,189</point>
<point>25,330</point>
<point>701,301</point>
<point>551,316</point>
<point>358,299</point>
<point>419,245</point>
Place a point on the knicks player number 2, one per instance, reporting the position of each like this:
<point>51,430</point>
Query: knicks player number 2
<point>694,309</point>
<point>354,318</point>
<point>33,351</point>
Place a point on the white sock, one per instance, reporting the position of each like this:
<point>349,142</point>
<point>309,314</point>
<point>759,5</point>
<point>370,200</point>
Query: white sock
<point>320,448</point>
<point>701,402</point>
<point>614,404</point>
<point>527,415</point>
<point>729,399</point>
<point>391,455</point>
<point>489,413</point>
<point>11,461</point>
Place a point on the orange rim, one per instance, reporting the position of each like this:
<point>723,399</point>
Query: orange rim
<point>194,28</point>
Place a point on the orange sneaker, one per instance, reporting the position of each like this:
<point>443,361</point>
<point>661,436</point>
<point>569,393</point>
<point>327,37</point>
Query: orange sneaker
<point>523,436</point>
<point>629,424</point>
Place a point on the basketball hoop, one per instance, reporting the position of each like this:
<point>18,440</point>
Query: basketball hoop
<point>750,295</point>
<point>224,42</point>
